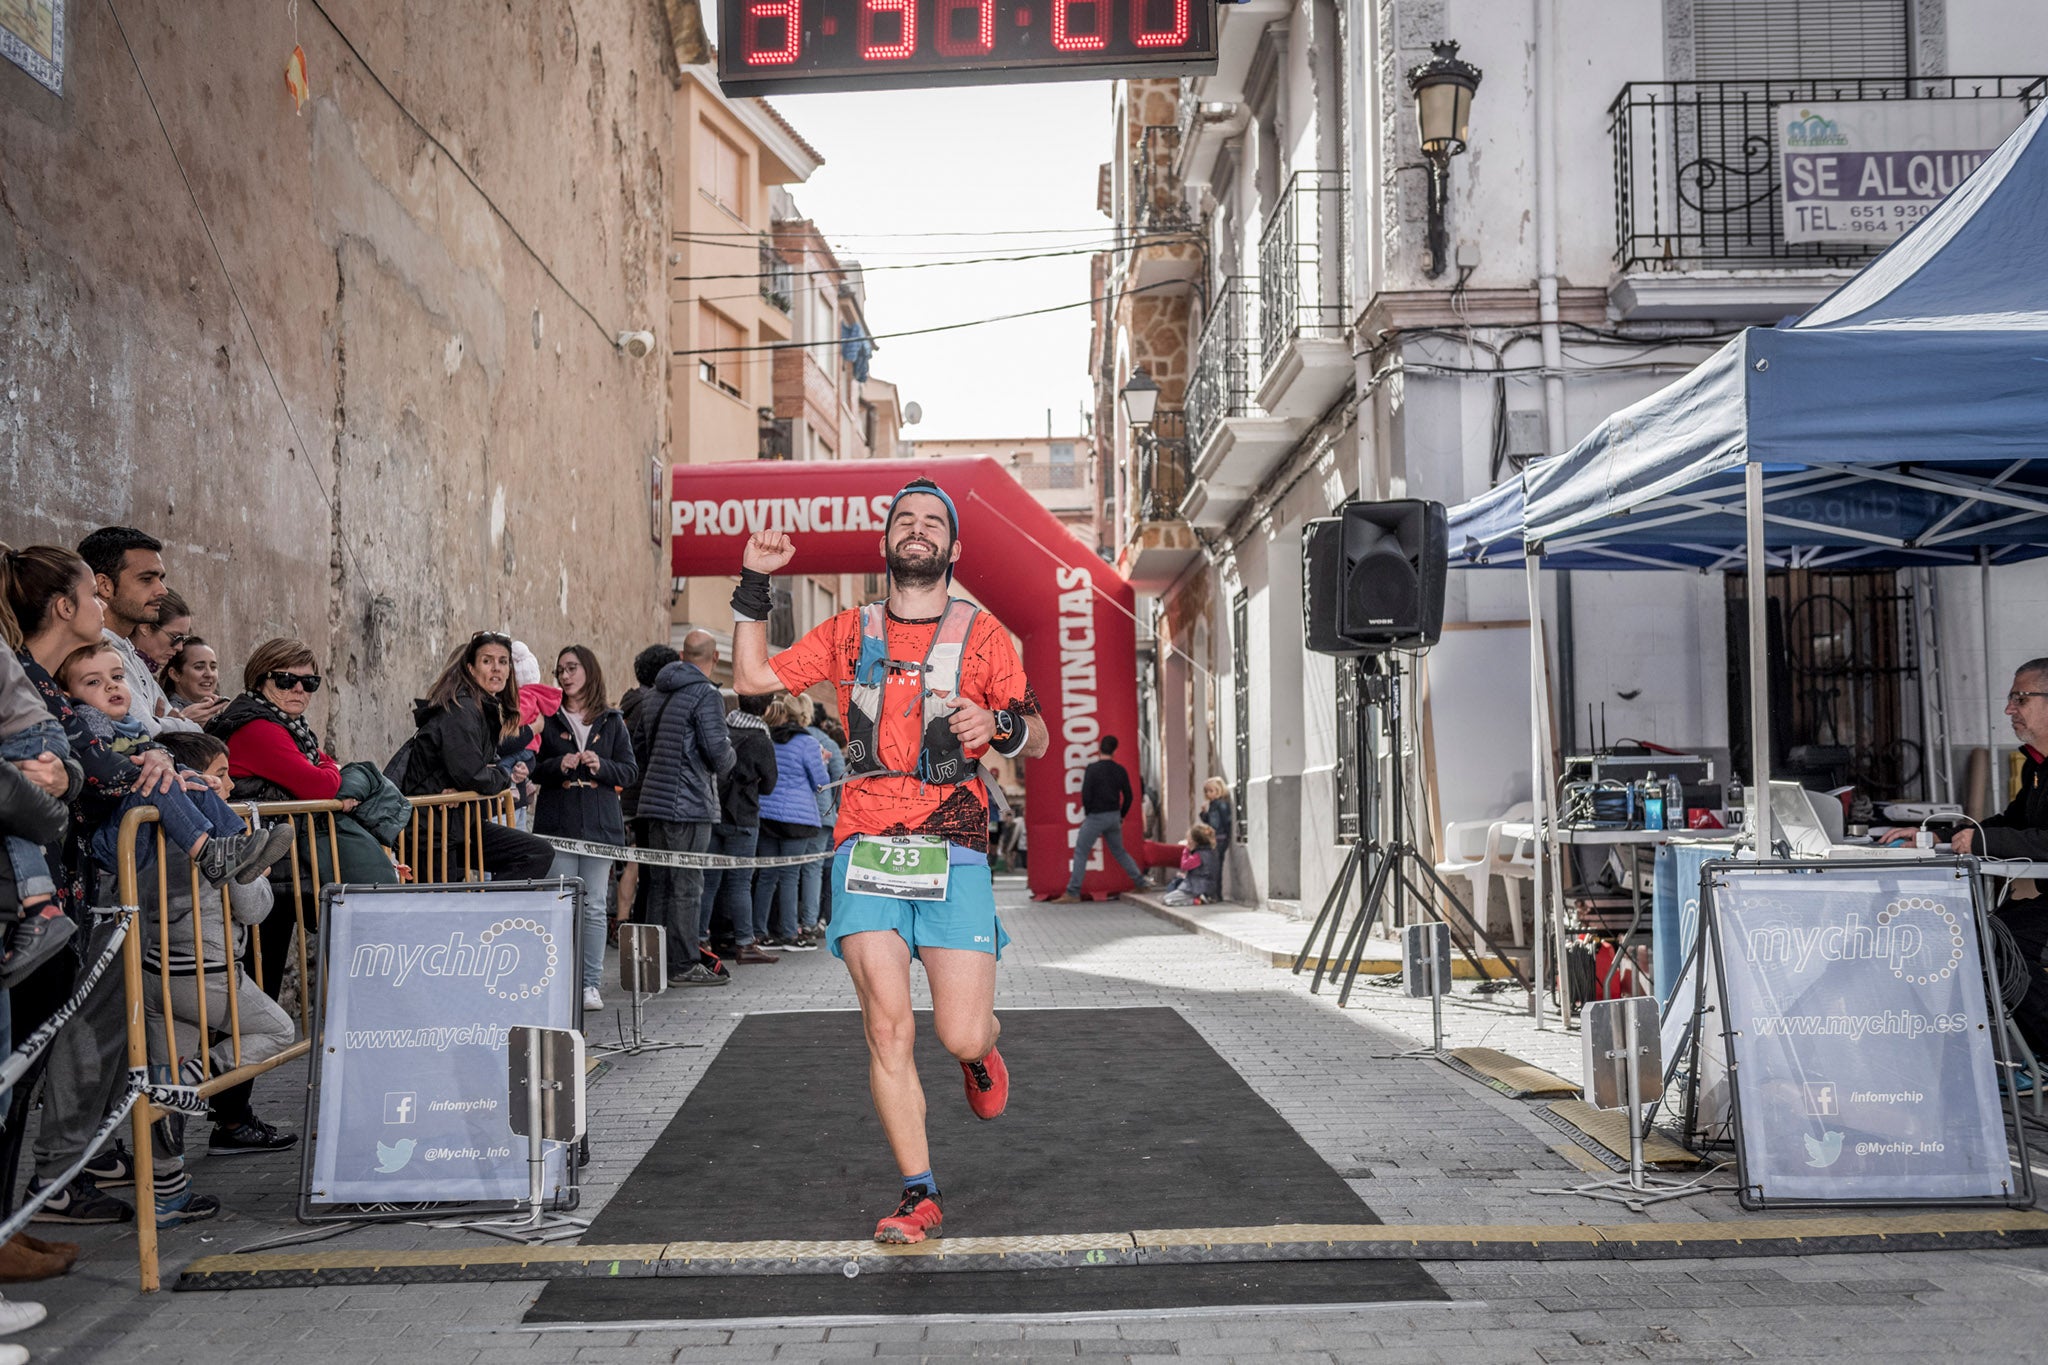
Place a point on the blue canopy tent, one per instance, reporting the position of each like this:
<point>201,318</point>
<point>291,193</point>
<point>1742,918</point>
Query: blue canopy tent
<point>1903,421</point>
<point>1925,375</point>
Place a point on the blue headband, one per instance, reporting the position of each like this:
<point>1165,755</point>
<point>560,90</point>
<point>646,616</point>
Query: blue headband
<point>952,513</point>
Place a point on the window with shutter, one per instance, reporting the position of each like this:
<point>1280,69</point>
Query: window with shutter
<point>1748,40</point>
<point>720,166</point>
<point>719,339</point>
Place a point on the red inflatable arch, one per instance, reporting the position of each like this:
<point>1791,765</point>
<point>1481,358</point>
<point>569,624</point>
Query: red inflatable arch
<point>1071,610</point>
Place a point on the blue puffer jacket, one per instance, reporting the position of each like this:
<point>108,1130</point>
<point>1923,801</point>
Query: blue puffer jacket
<point>682,744</point>
<point>799,774</point>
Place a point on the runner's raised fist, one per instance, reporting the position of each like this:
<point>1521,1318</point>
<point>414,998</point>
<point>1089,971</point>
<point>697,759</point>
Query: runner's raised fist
<point>768,551</point>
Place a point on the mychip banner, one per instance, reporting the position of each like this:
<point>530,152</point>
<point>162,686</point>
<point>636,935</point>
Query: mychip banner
<point>1861,1037</point>
<point>1867,170</point>
<point>423,987</point>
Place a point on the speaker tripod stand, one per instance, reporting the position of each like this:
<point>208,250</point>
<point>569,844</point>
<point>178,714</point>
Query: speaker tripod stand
<point>1383,869</point>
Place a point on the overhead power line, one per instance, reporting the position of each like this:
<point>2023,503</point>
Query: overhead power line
<point>1123,242</point>
<point>1096,230</point>
<point>931,265</point>
<point>927,331</point>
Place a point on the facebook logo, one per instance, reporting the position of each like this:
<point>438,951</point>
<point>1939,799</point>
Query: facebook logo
<point>1822,1100</point>
<point>400,1106</point>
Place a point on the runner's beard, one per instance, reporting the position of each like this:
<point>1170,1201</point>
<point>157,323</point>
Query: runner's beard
<point>916,573</point>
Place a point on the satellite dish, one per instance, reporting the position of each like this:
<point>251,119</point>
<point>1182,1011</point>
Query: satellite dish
<point>912,414</point>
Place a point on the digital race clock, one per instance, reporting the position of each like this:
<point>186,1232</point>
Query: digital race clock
<point>770,45</point>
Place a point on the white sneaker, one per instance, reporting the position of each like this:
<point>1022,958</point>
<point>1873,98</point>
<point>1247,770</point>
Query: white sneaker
<point>17,1315</point>
<point>10,1354</point>
<point>591,999</point>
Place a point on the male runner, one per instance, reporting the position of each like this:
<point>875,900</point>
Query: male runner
<point>926,684</point>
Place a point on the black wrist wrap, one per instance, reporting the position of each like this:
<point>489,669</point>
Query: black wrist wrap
<point>753,598</point>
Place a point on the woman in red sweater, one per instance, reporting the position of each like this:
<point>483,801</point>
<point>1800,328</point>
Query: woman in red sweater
<point>273,755</point>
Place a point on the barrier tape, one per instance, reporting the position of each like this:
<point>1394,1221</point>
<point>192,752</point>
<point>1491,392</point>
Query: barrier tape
<point>32,1047</point>
<point>665,857</point>
<point>181,1099</point>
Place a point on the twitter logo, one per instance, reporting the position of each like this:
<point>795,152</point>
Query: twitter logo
<point>1821,1152</point>
<point>395,1156</point>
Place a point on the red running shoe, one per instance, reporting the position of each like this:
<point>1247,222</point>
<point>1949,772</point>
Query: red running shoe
<point>915,1219</point>
<point>988,1085</point>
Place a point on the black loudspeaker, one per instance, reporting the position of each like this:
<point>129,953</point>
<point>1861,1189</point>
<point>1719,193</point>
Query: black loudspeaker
<point>1372,577</point>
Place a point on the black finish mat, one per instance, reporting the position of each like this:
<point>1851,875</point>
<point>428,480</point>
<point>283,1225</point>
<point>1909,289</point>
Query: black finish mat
<point>1119,1120</point>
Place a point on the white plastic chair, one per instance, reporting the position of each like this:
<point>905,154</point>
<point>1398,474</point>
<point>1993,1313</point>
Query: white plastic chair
<point>1480,850</point>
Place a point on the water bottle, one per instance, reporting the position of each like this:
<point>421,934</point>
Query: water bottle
<point>1674,803</point>
<point>1653,802</point>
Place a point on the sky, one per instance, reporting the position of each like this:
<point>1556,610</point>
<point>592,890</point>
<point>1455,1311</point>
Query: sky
<point>1016,160</point>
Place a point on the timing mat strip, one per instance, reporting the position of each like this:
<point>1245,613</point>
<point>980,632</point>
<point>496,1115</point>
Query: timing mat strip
<point>1508,1074</point>
<point>1609,1128</point>
<point>1947,1231</point>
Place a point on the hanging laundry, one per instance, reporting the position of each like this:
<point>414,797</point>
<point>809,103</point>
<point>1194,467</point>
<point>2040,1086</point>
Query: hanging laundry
<point>855,347</point>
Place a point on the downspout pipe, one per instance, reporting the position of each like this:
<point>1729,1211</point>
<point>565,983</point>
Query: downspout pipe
<point>1546,224</point>
<point>1547,314</point>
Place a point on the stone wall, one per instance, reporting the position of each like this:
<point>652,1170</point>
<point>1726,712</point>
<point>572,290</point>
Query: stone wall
<point>433,255</point>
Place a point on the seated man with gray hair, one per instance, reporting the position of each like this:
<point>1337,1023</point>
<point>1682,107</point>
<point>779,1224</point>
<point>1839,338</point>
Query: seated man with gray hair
<point>2021,831</point>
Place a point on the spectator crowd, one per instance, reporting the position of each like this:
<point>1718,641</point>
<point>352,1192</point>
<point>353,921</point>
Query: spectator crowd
<point>111,702</point>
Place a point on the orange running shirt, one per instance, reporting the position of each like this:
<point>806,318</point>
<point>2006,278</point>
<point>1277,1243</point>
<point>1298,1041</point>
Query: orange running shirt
<point>991,675</point>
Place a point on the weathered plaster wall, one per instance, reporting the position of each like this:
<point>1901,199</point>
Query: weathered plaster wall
<point>475,451</point>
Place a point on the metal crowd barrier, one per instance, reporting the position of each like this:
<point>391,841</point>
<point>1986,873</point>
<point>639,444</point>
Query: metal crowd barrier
<point>423,847</point>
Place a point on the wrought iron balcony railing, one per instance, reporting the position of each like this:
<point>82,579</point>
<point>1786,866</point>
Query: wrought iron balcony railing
<point>1225,377</point>
<point>1301,263</point>
<point>778,277</point>
<point>1157,203</point>
<point>1696,165</point>
<point>1163,467</point>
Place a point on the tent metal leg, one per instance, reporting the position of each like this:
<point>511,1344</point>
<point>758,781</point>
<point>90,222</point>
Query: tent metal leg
<point>1759,660</point>
<point>1539,782</point>
<point>1994,795</point>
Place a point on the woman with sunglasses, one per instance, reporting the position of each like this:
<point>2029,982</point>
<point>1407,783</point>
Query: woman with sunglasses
<point>467,721</point>
<point>273,755</point>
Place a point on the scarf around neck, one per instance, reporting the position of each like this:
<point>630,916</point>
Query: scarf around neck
<point>295,726</point>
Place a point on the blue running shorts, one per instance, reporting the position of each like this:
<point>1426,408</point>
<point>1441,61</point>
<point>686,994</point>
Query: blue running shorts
<point>966,918</point>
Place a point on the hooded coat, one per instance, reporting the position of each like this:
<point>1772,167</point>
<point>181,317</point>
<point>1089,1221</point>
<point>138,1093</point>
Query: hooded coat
<point>753,772</point>
<point>682,745</point>
<point>456,747</point>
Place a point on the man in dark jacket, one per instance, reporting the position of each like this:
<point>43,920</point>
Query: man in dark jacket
<point>738,834</point>
<point>2021,831</point>
<point>682,746</point>
<point>1105,801</point>
<point>647,666</point>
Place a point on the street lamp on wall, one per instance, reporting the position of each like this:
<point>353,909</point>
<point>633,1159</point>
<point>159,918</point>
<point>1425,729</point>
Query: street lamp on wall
<point>1141,398</point>
<point>1443,88</point>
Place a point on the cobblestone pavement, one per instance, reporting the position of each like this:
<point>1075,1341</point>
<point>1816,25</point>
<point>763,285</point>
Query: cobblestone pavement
<point>1418,1141</point>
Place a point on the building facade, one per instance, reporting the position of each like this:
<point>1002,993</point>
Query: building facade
<point>353,354</point>
<point>777,362</point>
<point>1611,221</point>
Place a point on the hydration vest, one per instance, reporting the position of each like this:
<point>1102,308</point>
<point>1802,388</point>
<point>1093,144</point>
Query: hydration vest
<point>941,761</point>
